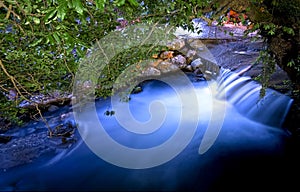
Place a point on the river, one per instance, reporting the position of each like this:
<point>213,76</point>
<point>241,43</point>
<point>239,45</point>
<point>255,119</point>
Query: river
<point>181,132</point>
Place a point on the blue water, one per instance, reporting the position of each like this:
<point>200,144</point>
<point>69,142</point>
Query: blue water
<point>227,149</point>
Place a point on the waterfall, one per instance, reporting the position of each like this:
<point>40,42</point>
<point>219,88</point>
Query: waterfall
<point>244,93</point>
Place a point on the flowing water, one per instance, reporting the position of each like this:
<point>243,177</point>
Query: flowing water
<point>206,136</point>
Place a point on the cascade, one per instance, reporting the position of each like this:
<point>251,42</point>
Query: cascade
<point>244,93</point>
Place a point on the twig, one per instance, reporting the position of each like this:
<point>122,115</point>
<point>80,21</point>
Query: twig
<point>102,51</point>
<point>44,120</point>
<point>8,12</point>
<point>149,33</point>
<point>9,9</point>
<point>13,80</point>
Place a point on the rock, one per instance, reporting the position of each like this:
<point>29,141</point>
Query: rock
<point>155,62</point>
<point>167,66</point>
<point>52,108</point>
<point>180,61</point>
<point>12,95</point>
<point>63,130</point>
<point>137,90</point>
<point>184,50</point>
<point>177,44</point>
<point>198,72</point>
<point>209,75</point>
<point>150,71</point>
<point>5,139</point>
<point>190,54</point>
<point>197,63</point>
<point>189,68</point>
<point>196,44</point>
<point>166,55</point>
<point>65,115</point>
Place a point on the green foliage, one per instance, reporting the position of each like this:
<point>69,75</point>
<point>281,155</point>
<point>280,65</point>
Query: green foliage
<point>132,56</point>
<point>10,109</point>
<point>43,41</point>
<point>269,63</point>
<point>293,64</point>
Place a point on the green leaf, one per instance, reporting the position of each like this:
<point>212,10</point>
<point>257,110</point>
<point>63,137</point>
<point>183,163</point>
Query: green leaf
<point>67,36</point>
<point>36,42</point>
<point>78,6</point>
<point>289,30</point>
<point>70,4</point>
<point>120,2</point>
<point>50,15</point>
<point>266,27</point>
<point>271,32</point>
<point>36,20</point>
<point>56,37</point>
<point>50,39</point>
<point>100,4</point>
<point>62,12</point>
<point>133,3</point>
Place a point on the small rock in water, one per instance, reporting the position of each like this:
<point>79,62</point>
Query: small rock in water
<point>52,108</point>
<point>63,130</point>
<point>197,63</point>
<point>109,113</point>
<point>189,68</point>
<point>136,90</point>
<point>198,73</point>
<point>65,115</point>
<point>5,139</point>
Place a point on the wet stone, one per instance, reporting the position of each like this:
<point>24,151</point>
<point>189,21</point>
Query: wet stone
<point>197,63</point>
<point>25,149</point>
<point>5,139</point>
<point>53,108</point>
<point>198,73</point>
<point>190,54</point>
<point>62,130</point>
<point>137,89</point>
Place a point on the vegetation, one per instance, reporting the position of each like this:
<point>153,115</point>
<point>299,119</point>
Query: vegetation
<point>42,41</point>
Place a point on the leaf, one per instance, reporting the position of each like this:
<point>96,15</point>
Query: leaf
<point>78,6</point>
<point>271,32</point>
<point>50,39</point>
<point>36,42</point>
<point>70,4</point>
<point>50,15</point>
<point>133,3</point>
<point>62,12</point>
<point>67,36</point>
<point>100,4</point>
<point>56,37</point>
<point>120,2</point>
<point>36,20</point>
<point>266,27</point>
